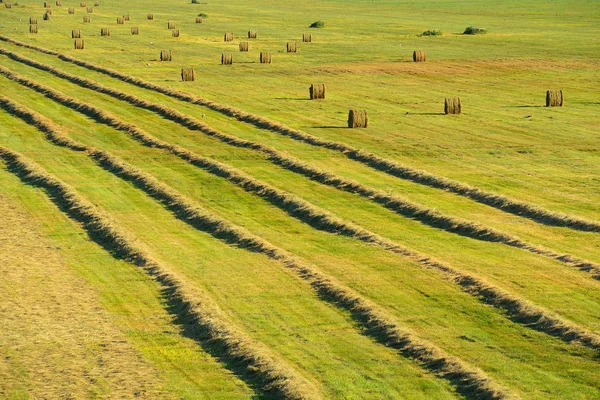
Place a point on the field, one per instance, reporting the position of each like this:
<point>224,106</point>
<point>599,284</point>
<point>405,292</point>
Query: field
<point>229,238</point>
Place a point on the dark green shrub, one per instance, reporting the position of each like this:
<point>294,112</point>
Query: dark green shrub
<point>317,24</point>
<point>472,30</point>
<point>202,15</point>
<point>431,32</point>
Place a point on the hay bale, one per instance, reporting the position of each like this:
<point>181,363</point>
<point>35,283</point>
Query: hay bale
<point>419,56</point>
<point>243,46</point>
<point>126,17</point>
<point>226,59</point>
<point>252,34</point>
<point>265,58</point>
<point>198,20</point>
<point>150,16</point>
<point>175,33</point>
<point>46,17</point>
<point>78,44</point>
<point>76,34</point>
<point>87,18</point>
<point>307,37</point>
<point>7,5</point>
<point>188,74</point>
<point>71,10</point>
<point>120,21</point>
<point>47,4</point>
<point>82,4</point>
<point>90,10</point>
<point>135,30</point>
<point>171,25</point>
<point>33,28</point>
<point>96,3</point>
<point>452,105</point>
<point>105,32</point>
<point>58,3</point>
<point>49,11</point>
<point>165,55</point>
<point>358,119</point>
<point>228,37</point>
<point>554,98</point>
<point>291,47</point>
<point>195,2</point>
<point>317,91</point>
<point>33,21</point>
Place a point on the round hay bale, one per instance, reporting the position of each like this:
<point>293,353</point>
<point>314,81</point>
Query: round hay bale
<point>7,5</point>
<point>452,105</point>
<point>252,34</point>
<point>47,4</point>
<point>228,37</point>
<point>171,25</point>
<point>96,3</point>
<point>58,3</point>
<point>226,59</point>
<point>33,29</point>
<point>198,19</point>
<point>79,44</point>
<point>120,21</point>
<point>33,21</point>
<point>265,58</point>
<point>126,17</point>
<point>82,4</point>
<point>188,74</point>
<point>135,30</point>
<point>150,16</point>
<point>87,18</point>
<point>419,56</point>
<point>243,46</point>
<point>46,17</point>
<point>291,47</point>
<point>165,55</point>
<point>554,98</point>
<point>317,91</point>
<point>76,33</point>
<point>104,32</point>
<point>307,37</point>
<point>175,33</point>
<point>89,10</point>
<point>358,119</point>
<point>71,10</point>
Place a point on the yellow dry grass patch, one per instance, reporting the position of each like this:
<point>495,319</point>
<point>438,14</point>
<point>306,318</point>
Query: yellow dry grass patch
<point>56,341</point>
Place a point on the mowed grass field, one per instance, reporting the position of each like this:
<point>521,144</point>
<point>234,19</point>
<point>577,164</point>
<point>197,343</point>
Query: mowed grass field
<point>230,238</point>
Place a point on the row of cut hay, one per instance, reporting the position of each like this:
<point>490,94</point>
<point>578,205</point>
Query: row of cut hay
<point>196,306</point>
<point>517,309</point>
<point>501,202</point>
<point>366,313</point>
<point>396,204</point>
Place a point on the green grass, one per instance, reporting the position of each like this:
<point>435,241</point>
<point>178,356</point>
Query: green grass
<point>364,57</point>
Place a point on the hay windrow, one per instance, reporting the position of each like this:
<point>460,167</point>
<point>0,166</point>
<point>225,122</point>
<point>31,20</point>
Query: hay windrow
<point>396,204</point>
<point>394,168</point>
<point>517,309</point>
<point>467,379</point>
<point>200,310</point>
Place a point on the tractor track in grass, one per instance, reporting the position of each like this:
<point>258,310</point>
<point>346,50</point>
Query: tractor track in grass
<point>516,308</point>
<point>468,380</point>
<point>394,168</point>
<point>195,306</point>
<point>401,206</point>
